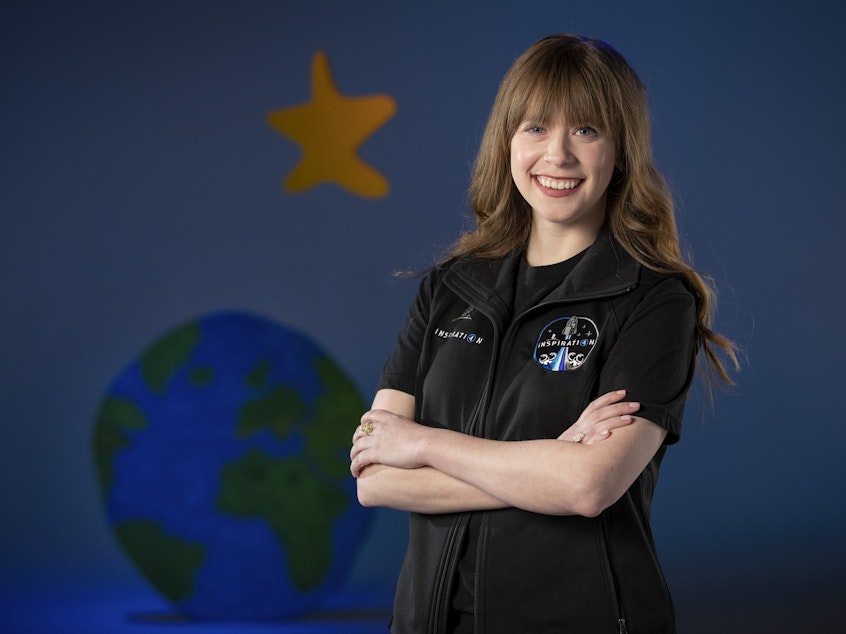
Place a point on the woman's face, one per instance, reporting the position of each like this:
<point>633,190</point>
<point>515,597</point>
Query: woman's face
<point>563,171</point>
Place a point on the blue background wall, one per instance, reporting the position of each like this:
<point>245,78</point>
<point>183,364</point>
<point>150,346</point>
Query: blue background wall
<point>141,186</point>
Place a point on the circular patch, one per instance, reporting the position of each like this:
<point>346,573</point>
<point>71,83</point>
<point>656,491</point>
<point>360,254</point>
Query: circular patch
<point>565,343</point>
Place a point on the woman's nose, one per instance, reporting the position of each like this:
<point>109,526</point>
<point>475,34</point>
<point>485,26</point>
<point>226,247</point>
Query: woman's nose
<point>558,150</point>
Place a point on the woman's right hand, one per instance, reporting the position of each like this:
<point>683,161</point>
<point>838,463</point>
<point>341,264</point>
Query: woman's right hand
<point>600,418</point>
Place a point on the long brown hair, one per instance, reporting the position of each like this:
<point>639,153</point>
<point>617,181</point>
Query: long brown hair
<point>588,82</point>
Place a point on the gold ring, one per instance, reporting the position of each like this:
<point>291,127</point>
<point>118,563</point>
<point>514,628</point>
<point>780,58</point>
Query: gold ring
<point>579,437</point>
<point>367,428</point>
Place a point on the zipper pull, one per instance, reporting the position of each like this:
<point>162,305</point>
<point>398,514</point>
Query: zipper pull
<point>621,626</point>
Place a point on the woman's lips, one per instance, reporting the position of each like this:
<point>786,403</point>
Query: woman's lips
<point>557,186</point>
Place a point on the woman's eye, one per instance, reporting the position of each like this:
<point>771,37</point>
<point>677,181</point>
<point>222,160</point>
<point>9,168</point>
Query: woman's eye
<point>534,129</point>
<point>586,131</point>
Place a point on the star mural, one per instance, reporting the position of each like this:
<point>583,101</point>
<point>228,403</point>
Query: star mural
<point>330,128</point>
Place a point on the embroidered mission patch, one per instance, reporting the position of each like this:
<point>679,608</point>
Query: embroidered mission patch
<point>565,343</point>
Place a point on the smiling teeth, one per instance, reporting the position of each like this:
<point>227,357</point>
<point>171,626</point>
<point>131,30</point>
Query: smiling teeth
<point>554,183</point>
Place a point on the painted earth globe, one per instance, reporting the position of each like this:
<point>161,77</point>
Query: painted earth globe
<point>222,454</point>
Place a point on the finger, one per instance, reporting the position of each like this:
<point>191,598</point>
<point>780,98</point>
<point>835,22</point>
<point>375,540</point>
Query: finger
<point>359,444</point>
<point>612,411</point>
<point>359,428</point>
<point>599,434</point>
<point>602,421</point>
<point>607,399</point>
<point>356,466</point>
<point>611,419</point>
<point>361,460</point>
<point>366,428</point>
<point>356,463</point>
<point>374,415</point>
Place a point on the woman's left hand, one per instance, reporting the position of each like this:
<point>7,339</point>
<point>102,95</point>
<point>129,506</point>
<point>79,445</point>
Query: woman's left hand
<point>386,438</point>
<point>600,417</point>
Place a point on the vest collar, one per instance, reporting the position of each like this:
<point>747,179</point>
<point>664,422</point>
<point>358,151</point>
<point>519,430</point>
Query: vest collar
<point>606,269</point>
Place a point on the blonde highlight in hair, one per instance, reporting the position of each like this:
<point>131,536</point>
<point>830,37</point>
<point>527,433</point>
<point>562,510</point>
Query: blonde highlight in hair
<point>587,82</point>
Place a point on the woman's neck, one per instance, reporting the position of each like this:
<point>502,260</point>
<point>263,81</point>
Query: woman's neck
<point>550,245</point>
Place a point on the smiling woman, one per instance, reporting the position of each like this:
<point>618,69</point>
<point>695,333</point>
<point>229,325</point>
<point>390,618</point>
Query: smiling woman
<point>563,173</point>
<point>543,370</point>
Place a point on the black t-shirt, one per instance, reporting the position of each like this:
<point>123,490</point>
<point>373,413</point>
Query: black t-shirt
<point>535,282</point>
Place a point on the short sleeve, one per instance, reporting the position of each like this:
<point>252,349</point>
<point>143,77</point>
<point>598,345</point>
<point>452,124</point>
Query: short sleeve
<point>654,357</point>
<point>400,370</point>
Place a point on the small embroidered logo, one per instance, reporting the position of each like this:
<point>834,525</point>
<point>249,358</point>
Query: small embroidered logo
<point>467,314</point>
<point>455,332</point>
<point>565,343</point>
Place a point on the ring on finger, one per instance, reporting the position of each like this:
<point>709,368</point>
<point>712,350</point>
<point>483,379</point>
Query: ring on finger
<point>366,428</point>
<point>579,437</point>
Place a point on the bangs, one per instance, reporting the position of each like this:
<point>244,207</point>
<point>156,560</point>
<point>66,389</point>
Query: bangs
<point>565,88</point>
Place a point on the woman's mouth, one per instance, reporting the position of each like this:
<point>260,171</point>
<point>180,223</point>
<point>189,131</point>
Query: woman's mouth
<point>558,185</point>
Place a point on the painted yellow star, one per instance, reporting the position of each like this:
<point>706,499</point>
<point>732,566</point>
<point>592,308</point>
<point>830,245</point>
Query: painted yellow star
<point>330,128</point>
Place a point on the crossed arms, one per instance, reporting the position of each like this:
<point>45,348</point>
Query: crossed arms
<point>407,466</point>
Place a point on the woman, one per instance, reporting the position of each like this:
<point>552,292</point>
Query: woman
<point>570,301</point>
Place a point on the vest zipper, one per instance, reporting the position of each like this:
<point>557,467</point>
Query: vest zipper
<point>449,556</point>
<point>614,586</point>
<point>439,612</point>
